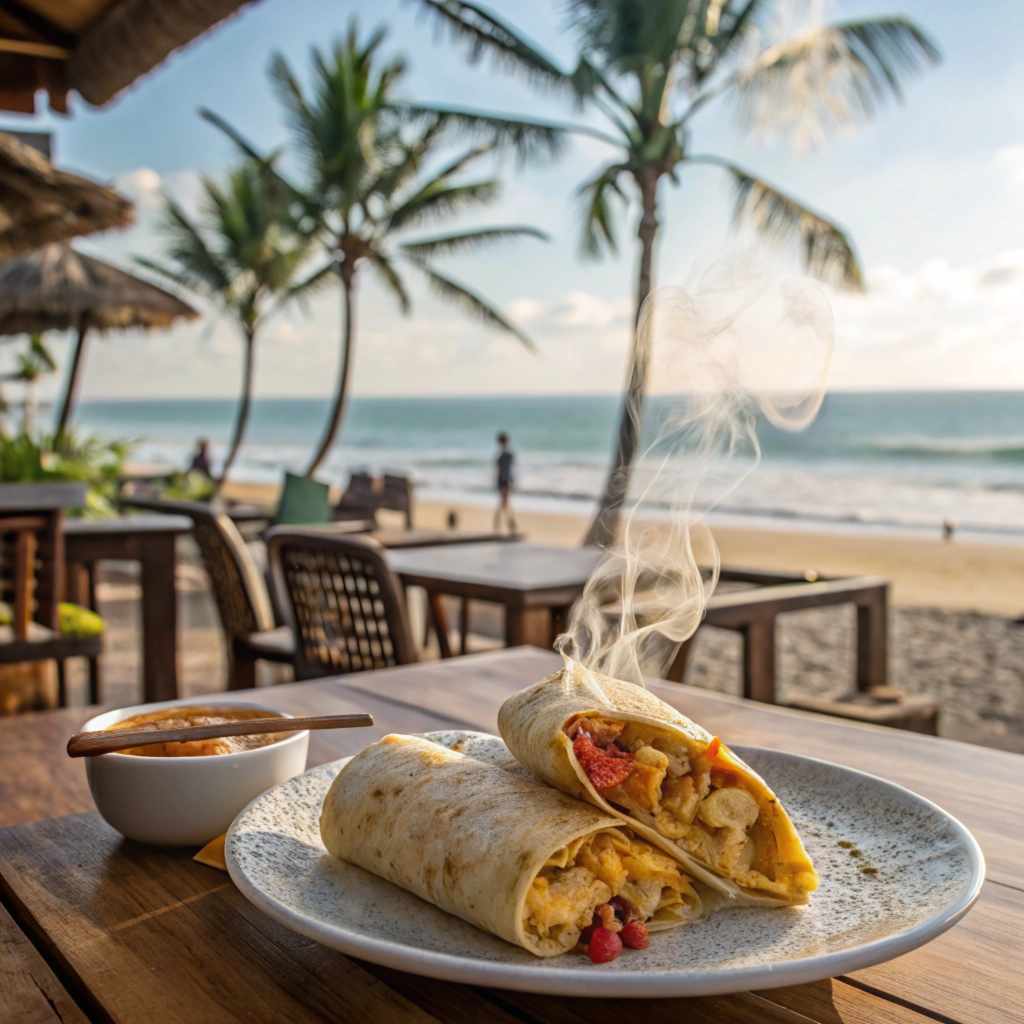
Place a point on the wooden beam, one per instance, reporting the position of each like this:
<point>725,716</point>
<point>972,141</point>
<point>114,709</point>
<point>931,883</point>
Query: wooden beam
<point>34,49</point>
<point>133,37</point>
<point>38,25</point>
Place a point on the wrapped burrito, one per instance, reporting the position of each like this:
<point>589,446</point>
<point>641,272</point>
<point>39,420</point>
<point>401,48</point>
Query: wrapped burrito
<point>513,857</point>
<point>630,754</point>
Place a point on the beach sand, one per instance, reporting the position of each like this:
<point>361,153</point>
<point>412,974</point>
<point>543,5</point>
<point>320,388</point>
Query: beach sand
<point>956,575</point>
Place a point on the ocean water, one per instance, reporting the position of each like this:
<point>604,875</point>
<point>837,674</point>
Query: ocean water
<point>893,462</point>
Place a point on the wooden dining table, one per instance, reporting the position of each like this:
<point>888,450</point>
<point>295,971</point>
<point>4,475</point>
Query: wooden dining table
<point>150,540</point>
<point>96,928</point>
<point>535,584</point>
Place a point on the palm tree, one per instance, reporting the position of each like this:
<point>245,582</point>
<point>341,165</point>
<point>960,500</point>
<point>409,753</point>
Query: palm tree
<point>32,364</point>
<point>646,68</point>
<point>244,254</point>
<point>363,153</point>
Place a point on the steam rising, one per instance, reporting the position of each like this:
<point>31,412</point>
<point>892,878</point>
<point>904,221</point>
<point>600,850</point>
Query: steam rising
<point>738,345</point>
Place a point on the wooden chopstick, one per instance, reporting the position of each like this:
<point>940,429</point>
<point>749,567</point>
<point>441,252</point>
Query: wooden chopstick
<point>89,744</point>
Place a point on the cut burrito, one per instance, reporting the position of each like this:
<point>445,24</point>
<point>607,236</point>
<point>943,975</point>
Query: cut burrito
<point>508,855</point>
<point>627,752</point>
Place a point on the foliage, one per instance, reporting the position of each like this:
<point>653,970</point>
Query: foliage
<point>189,486</point>
<point>363,153</point>
<point>69,457</point>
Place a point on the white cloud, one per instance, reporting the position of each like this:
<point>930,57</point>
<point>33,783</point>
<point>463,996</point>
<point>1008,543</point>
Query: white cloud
<point>1009,162</point>
<point>940,326</point>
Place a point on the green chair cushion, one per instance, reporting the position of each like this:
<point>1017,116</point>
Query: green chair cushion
<point>303,502</point>
<point>74,619</point>
<point>78,621</point>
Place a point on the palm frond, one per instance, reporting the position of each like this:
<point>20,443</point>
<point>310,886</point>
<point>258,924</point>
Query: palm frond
<point>188,249</point>
<point>467,241</point>
<point>469,302</point>
<point>527,139</point>
<point>440,201</point>
<point>833,75</point>
<point>726,26</point>
<point>268,162</point>
<point>487,36</point>
<point>780,219</point>
<point>162,270</point>
<point>302,291</point>
<point>391,280</point>
<point>598,227</point>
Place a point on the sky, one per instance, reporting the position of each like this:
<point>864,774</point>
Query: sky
<point>932,194</point>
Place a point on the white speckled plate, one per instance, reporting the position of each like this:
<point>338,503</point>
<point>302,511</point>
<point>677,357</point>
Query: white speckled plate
<point>895,872</point>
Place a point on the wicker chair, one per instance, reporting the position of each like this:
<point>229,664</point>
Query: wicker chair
<point>346,606</point>
<point>240,593</point>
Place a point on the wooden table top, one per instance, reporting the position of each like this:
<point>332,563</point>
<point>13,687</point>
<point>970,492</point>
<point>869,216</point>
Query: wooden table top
<point>496,571</point>
<point>118,526</point>
<point>174,941</point>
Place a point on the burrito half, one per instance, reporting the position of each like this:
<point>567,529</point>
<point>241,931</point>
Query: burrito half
<point>510,856</point>
<point>627,752</point>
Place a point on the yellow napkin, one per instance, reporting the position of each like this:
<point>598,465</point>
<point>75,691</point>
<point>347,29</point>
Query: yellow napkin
<point>212,854</point>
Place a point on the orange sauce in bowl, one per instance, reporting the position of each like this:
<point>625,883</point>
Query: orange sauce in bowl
<point>182,717</point>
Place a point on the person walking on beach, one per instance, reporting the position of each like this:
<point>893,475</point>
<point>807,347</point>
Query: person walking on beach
<point>201,459</point>
<point>504,463</point>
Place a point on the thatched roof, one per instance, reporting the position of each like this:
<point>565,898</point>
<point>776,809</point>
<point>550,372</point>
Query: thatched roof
<point>96,47</point>
<point>53,288</point>
<point>39,204</point>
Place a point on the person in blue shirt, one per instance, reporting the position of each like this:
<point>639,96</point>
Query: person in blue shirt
<point>504,466</point>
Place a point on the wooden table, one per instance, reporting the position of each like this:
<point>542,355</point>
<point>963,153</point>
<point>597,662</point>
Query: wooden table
<point>752,613</point>
<point>173,941</point>
<point>149,540</point>
<point>536,584</point>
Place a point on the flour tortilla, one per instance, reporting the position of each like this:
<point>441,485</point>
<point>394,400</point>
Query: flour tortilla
<point>532,724</point>
<point>467,836</point>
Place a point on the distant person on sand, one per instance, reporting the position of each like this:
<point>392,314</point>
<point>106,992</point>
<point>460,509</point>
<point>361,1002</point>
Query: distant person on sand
<point>505,460</point>
<point>201,460</point>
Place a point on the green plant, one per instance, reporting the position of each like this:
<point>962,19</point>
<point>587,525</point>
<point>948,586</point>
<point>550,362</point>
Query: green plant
<point>363,151</point>
<point>244,253</point>
<point>189,486</point>
<point>32,364</point>
<point>646,68</point>
<point>93,461</point>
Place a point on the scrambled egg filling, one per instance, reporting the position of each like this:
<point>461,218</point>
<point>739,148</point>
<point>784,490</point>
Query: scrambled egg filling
<point>703,808</point>
<point>590,871</point>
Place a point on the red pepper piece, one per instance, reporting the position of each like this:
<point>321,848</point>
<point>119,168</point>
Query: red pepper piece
<point>635,935</point>
<point>603,769</point>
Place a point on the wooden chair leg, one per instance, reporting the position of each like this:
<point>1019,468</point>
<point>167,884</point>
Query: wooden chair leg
<point>94,680</point>
<point>677,671</point>
<point>242,673</point>
<point>62,684</point>
<point>872,642</point>
<point>463,624</point>
<point>759,660</point>
<point>440,620</point>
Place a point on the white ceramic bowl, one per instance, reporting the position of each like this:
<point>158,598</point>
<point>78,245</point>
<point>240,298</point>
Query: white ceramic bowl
<point>186,801</point>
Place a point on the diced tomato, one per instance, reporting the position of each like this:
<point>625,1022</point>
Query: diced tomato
<point>604,769</point>
<point>634,935</point>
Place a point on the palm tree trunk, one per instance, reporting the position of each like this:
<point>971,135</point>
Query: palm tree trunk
<point>345,272</point>
<point>605,528</point>
<point>242,416</point>
<point>70,392</point>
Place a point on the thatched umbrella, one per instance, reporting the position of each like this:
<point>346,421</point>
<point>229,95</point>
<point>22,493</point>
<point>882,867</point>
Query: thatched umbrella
<point>58,289</point>
<point>39,204</point>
